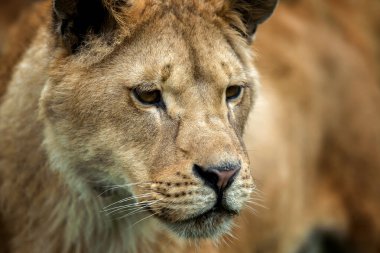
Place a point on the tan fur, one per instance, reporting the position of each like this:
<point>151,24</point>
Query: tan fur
<point>72,131</point>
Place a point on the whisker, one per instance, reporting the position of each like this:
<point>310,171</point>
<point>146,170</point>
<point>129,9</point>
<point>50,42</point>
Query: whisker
<point>127,199</point>
<point>130,207</point>
<point>257,190</point>
<point>236,225</point>
<point>122,186</point>
<point>255,200</point>
<point>251,210</point>
<point>229,234</point>
<point>141,220</point>
<point>257,204</point>
<point>226,241</point>
<point>139,209</point>
<point>127,204</point>
<point>257,197</point>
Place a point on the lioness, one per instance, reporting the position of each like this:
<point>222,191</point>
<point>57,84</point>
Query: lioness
<point>120,119</point>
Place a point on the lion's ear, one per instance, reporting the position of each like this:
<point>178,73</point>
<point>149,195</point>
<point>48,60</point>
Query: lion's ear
<point>75,20</point>
<point>254,12</point>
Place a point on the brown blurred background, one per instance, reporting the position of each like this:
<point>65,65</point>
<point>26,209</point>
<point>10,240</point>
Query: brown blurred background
<point>10,10</point>
<point>314,136</point>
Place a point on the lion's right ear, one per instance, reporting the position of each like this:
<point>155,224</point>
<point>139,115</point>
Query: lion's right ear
<point>253,13</point>
<point>75,20</point>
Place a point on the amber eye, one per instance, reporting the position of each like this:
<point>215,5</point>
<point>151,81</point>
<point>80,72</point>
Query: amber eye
<point>233,92</point>
<point>152,97</point>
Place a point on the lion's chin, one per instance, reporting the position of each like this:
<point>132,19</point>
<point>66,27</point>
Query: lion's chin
<point>211,224</point>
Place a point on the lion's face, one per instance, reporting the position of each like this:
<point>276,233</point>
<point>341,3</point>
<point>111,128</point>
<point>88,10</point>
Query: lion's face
<point>162,114</point>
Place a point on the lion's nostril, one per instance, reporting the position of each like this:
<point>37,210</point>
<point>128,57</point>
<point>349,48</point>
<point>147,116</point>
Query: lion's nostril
<point>218,177</point>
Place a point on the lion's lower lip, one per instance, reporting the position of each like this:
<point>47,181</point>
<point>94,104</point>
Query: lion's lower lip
<point>216,211</point>
<point>211,223</point>
<point>213,212</point>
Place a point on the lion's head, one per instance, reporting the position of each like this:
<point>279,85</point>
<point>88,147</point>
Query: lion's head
<point>154,95</point>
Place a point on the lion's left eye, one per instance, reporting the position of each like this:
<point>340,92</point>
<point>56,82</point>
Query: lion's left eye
<point>233,92</point>
<point>152,97</point>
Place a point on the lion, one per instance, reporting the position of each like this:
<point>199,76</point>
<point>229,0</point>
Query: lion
<point>121,124</point>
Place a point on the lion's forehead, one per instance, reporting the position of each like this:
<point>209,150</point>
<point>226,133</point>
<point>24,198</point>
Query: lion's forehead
<point>179,55</point>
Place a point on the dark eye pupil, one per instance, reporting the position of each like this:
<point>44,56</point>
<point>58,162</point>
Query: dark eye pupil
<point>148,97</point>
<point>233,92</point>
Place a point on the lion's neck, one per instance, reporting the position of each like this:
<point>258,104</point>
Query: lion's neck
<point>89,221</point>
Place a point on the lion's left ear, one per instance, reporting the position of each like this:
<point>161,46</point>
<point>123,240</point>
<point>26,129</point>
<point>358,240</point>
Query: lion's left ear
<point>75,20</point>
<point>253,12</point>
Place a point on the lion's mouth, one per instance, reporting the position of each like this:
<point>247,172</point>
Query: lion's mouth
<point>215,211</point>
<point>211,223</point>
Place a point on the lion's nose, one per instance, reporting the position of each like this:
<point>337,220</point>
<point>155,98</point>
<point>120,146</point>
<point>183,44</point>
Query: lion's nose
<point>218,177</point>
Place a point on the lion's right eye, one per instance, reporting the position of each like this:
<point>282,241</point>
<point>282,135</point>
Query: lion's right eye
<point>152,97</point>
<point>233,92</point>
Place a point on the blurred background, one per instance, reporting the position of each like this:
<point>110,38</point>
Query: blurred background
<point>10,10</point>
<point>314,135</point>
